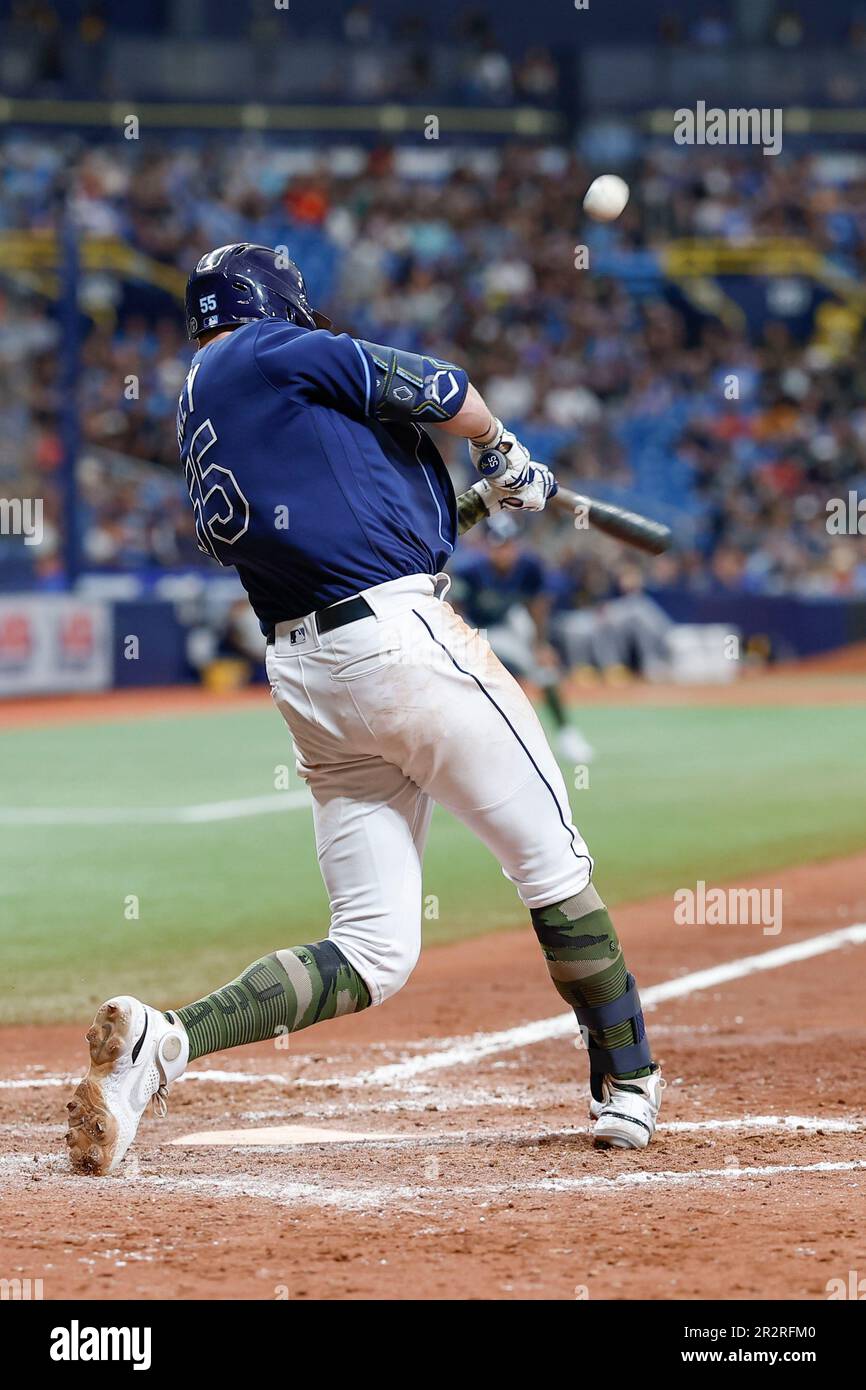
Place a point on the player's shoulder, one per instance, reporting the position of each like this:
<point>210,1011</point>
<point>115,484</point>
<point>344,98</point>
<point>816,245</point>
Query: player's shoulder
<point>287,352</point>
<point>269,335</point>
<point>294,337</point>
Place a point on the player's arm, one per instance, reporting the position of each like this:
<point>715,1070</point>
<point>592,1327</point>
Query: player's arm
<point>390,384</point>
<point>471,508</point>
<point>524,484</point>
<point>413,388</point>
<point>409,387</point>
<point>474,420</point>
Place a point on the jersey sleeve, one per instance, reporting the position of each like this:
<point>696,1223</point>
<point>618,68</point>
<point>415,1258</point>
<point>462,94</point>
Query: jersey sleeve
<point>359,378</point>
<point>320,367</point>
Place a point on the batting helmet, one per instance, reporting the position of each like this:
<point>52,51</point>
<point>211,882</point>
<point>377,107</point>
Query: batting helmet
<point>241,283</point>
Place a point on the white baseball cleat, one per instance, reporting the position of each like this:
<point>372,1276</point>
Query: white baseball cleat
<point>625,1117</point>
<point>573,746</point>
<point>135,1051</point>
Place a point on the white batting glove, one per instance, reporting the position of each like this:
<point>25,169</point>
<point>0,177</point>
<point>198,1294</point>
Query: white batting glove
<point>498,437</point>
<point>530,493</point>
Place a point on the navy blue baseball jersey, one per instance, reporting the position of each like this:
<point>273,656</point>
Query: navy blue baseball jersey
<point>307,466</point>
<point>485,593</point>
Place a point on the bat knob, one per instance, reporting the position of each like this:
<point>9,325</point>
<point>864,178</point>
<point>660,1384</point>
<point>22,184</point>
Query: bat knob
<point>492,463</point>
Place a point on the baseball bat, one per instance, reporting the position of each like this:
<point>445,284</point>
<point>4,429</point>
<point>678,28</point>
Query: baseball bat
<point>629,527</point>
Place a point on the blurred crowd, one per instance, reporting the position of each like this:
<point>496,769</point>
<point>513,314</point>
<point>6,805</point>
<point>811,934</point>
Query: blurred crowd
<point>737,431</point>
<point>354,53</point>
<point>464,52</point>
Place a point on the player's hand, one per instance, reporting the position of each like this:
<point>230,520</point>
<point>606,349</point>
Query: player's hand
<point>498,437</point>
<point>530,492</point>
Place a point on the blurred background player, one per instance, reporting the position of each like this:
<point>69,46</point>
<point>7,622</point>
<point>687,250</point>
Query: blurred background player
<point>502,587</point>
<point>607,623</point>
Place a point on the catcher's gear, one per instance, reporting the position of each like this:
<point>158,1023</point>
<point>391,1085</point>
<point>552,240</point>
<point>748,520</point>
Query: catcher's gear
<point>243,282</point>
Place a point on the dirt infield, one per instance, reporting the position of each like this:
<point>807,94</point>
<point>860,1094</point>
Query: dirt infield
<point>473,1174</point>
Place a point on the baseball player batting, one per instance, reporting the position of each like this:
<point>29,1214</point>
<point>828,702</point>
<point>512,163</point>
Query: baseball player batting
<point>311,469</point>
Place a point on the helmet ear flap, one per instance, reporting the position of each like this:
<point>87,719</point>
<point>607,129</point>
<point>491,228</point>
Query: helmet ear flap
<point>306,317</point>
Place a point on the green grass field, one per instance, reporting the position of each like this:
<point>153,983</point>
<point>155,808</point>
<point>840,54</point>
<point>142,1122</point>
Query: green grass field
<point>675,795</point>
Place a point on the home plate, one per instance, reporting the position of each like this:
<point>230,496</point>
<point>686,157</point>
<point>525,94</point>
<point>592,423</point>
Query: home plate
<point>280,1134</point>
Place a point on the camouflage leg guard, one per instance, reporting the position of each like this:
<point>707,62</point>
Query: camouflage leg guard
<point>586,964</point>
<point>281,993</point>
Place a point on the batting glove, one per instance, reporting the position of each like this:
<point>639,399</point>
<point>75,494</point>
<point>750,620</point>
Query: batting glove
<point>531,492</point>
<point>517,454</point>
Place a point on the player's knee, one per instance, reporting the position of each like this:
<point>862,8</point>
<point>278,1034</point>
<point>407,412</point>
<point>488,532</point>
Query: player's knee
<point>395,968</point>
<point>383,966</point>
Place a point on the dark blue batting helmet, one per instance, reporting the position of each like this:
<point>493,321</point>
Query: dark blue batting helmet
<point>240,283</point>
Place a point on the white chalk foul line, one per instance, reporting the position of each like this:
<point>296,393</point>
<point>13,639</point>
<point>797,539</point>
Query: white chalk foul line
<point>472,1049</point>
<point>675,1178</point>
<point>325,1193</point>
<point>217,1077</point>
<point>453,1052</point>
<point>200,814</point>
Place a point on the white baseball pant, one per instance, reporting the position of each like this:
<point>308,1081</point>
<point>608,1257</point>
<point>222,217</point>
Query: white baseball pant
<point>389,714</point>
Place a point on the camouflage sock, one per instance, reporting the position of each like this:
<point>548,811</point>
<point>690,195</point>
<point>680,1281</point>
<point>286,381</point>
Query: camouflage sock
<point>585,961</point>
<point>281,993</point>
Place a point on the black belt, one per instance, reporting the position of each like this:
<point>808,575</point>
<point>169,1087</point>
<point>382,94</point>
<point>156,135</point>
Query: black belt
<point>347,610</point>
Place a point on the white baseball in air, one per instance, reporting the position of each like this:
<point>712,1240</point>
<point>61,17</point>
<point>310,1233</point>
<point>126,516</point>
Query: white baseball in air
<point>606,197</point>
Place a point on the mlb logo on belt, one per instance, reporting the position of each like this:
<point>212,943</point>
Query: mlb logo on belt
<point>298,634</point>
